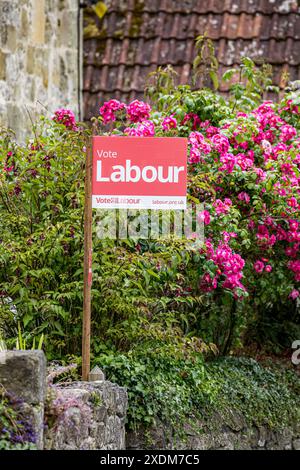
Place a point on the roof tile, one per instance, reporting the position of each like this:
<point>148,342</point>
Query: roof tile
<point>137,36</point>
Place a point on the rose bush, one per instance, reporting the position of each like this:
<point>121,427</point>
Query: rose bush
<point>246,171</point>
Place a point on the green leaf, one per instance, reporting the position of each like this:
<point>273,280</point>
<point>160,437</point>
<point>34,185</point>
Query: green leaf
<point>41,340</point>
<point>214,78</point>
<point>153,274</point>
<point>59,328</point>
<point>27,319</point>
<point>228,74</point>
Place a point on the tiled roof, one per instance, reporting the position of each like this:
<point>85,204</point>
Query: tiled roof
<point>136,36</point>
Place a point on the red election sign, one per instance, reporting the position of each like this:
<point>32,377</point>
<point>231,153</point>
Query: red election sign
<point>122,173</point>
<point>139,172</point>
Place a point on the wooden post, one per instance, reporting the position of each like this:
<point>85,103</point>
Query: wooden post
<point>87,270</point>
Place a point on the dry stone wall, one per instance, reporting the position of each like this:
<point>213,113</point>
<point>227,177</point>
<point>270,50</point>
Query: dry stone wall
<point>91,415</point>
<point>233,435</point>
<point>95,421</point>
<point>40,54</point>
<point>23,374</point>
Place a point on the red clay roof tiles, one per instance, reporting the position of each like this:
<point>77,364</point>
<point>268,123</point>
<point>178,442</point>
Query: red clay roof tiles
<point>136,36</point>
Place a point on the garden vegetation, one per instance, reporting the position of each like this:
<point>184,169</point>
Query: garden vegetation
<point>163,309</point>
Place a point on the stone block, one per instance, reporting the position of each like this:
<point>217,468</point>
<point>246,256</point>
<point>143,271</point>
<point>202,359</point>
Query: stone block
<point>30,60</point>
<point>11,43</point>
<point>25,28</point>
<point>296,444</point>
<point>67,33</point>
<point>38,22</point>
<point>2,65</point>
<point>35,415</point>
<point>121,401</point>
<point>87,444</point>
<point>100,413</point>
<point>104,429</point>
<point>24,374</point>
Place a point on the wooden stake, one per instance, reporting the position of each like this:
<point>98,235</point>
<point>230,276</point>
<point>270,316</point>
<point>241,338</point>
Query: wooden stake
<point>87,270</point>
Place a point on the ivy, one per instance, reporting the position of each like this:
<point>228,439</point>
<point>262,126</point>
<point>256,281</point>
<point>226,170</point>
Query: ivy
<point>178,392</point>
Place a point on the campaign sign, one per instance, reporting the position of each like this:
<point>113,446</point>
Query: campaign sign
<point>139,172</point>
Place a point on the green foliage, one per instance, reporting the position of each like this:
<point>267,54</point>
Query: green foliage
<point>21,343</point>
<point>41,224</point>
<point>145,293</point>
<point>160,389</point>
<point>262,395</point>
<point>162,81</point>
<point>141,291</point>
<point>290,102</point>
<point>205,64</point>
<point>249,84</point>
<point>182,100</point>
<point>176,391</point>
<point>152,322</point>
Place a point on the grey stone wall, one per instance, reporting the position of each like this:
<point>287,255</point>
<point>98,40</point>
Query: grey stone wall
<point>94,418</point>
<point>87,415</point>
<point>236,435</point>
<point>23,373</point>
<point>39,53</point>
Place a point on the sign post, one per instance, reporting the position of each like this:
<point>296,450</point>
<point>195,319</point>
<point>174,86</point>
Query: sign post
<point>87,269</point>
<point>128,173</point>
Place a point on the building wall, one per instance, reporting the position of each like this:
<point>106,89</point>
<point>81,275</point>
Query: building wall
<point>39,60</point>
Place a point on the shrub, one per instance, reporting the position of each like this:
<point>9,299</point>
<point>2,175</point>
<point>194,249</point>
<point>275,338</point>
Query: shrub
<point>242,284</point>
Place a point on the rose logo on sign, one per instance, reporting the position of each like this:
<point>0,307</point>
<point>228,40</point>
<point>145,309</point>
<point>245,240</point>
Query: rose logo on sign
<point>139,173</point>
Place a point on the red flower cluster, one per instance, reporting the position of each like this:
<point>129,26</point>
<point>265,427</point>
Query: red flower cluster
<point>66,117</point>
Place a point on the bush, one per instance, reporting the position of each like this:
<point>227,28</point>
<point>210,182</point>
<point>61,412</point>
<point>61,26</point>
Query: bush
<point>241,285</point>
<point>42,234</point>
<point>160,388</point>
<point>244,165</point>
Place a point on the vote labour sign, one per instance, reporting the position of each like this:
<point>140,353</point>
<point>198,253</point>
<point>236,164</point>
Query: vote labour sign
<point>139,172</point>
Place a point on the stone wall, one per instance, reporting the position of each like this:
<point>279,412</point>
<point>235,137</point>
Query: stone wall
<point>23,373</point>
<point>233,435</point>
<point>40,54</point>
<point>95,418</point>
<point>89,415</point>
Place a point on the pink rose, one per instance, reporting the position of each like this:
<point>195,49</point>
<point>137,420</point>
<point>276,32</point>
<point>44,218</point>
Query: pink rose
<point>169,123</point>
<point>204,216</point>
<point>259,266</point>
<point>294,294</point>
<point>138,111</point>
<point>243,196</point>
